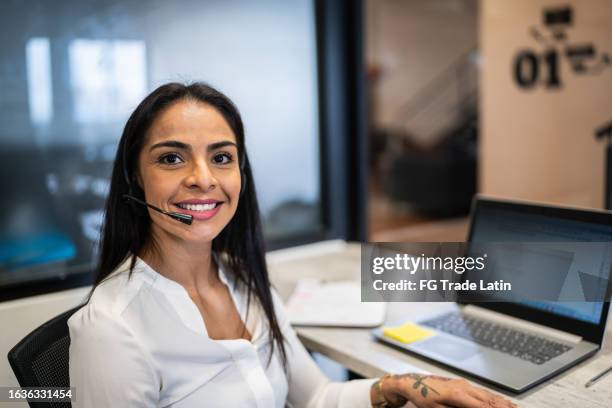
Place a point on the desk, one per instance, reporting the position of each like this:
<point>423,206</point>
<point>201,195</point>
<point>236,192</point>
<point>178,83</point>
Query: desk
<point>358,351</point>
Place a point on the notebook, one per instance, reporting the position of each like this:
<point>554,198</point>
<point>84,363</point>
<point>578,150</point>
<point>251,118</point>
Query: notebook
<point>337,304</point>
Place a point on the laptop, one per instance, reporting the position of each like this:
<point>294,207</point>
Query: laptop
<point>517,345</point>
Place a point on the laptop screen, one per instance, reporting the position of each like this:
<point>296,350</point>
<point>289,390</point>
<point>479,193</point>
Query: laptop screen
<point>503,223</point>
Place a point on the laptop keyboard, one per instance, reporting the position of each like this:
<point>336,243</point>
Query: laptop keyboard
<point>537,350</point>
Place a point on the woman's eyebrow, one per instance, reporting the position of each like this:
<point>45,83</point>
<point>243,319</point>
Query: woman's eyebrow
<point>218,145</point>
<point>171,143</point>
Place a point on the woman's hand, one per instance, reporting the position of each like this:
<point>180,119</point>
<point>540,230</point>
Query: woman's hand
<point>430,391</point>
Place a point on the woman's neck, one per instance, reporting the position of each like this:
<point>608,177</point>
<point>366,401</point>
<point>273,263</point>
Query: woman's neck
<point>191,265</point>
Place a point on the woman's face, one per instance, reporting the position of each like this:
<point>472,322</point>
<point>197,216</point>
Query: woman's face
<point>189,164</point>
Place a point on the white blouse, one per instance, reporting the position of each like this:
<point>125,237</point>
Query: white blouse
<point>142,342</point>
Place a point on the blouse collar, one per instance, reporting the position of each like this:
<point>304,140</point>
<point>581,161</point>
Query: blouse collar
<point>184,305</point>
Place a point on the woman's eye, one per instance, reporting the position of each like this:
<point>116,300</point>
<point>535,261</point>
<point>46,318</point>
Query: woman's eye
<point>222,158</point>
<point>170,158</point>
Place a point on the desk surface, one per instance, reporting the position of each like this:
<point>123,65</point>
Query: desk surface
<point>358,351</point>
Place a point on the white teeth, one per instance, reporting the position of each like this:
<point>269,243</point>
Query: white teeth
<point>198,207</point>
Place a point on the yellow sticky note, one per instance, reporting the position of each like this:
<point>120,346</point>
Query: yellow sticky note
<point>407,333</point>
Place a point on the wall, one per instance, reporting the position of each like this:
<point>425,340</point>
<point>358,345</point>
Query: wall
<point>537,141</point>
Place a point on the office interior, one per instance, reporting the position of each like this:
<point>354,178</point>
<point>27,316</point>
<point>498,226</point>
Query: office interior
<point>373,120</point>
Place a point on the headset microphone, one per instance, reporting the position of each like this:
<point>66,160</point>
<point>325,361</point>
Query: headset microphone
<point>184,218</point>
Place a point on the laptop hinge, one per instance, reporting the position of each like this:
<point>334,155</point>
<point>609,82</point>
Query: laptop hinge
<point>517,323</point>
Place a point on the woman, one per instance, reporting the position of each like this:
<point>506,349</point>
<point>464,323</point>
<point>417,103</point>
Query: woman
<point>183,314</point>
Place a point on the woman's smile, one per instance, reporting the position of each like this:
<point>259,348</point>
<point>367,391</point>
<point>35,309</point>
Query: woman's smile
<point>200,209</point>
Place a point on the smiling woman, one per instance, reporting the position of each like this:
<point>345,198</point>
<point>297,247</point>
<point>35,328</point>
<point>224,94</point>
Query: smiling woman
<point>183,315</point>
<point>182,151</point>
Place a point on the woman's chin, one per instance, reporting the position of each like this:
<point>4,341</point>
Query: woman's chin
<point>201,235</point>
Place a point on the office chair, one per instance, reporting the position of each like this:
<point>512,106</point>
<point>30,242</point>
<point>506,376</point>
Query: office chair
<point>40,359</point>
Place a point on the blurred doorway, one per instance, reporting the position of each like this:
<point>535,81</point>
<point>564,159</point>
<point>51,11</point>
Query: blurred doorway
<point>423,121</point>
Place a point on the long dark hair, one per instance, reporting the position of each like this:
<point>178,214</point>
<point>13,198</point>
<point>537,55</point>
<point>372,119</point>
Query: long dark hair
<point>127,227</point>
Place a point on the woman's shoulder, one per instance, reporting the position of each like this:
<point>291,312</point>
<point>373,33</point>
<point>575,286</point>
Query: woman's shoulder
<point>109,299</point>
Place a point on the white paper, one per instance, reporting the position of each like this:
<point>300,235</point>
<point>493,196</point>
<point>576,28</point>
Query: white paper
<point>338,303</point>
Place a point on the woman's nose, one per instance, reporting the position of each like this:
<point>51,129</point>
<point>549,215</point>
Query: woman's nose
<point>201,176</point>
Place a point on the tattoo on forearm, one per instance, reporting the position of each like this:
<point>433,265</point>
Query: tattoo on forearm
<point>419,381</point>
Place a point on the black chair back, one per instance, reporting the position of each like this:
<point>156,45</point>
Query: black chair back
<point>41,358</point>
